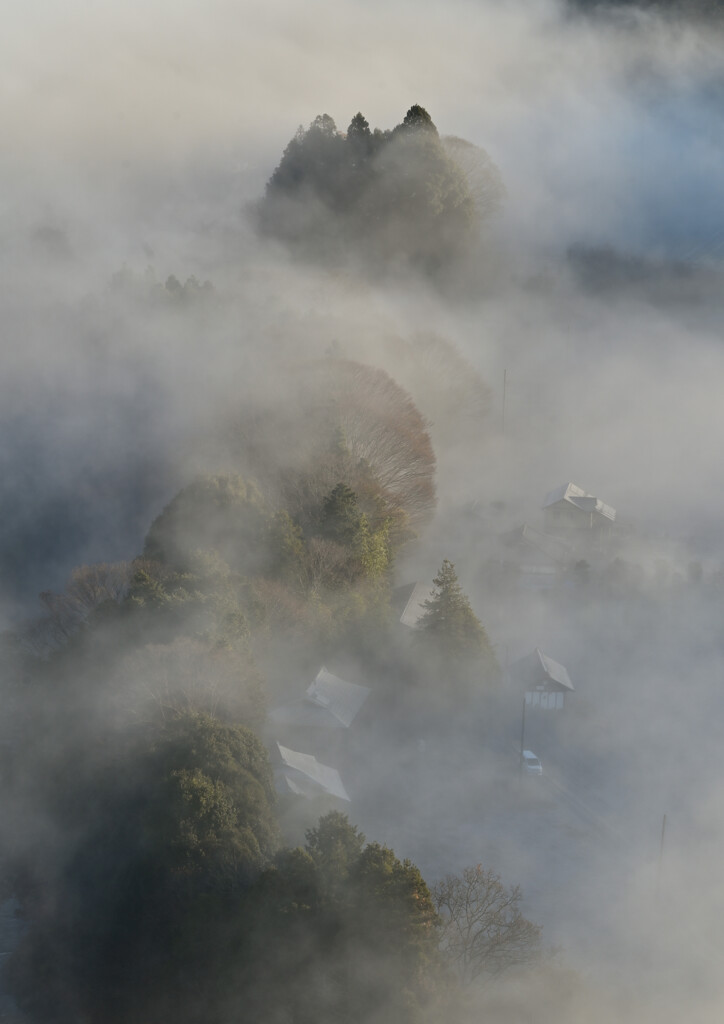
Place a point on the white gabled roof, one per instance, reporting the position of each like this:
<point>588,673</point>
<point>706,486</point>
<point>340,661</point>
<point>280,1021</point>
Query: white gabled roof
<point>303,775</point>
<point>555,671</point>
<point>538,670</point>
<point>575,495</point>
<point>415,604</point>
<point>342,700</point>
<point>329,701</point>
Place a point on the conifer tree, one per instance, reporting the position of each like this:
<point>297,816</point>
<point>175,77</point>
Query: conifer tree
<point>450,628</point>
<point>341,516</point>
<point>418,119</point>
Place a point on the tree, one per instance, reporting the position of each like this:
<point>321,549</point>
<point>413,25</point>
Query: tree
<point>359,135</point>
<point>483,177</point>
<point>335,847</point>
<point>224,513</point>
<point>449,625</point>
<point>89,588</point>
<point>212,810</point>
<point>203,599</point>
<point>287,550</point>
<point>448,390</point>
<point>324,125</point>
<point>417,210</point>
<point>395,896</point>
<point>483,932</point>
<point>390,196</point>
<point>177,827</point>
<point>347,423</point>
<point>367,551</point>
<point>386,439</point>
<point>379,910</point>
<point>341,516</point>
<point>417,119</point>
<point>190,675</point>
<point>313,169</point>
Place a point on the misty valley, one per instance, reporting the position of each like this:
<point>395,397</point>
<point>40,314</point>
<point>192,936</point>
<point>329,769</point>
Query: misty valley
<point>362,561</point>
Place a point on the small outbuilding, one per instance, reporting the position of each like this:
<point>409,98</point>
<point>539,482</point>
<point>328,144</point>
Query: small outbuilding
<point>544,681</point>
<point>569,508</point>
<point>329,702</point>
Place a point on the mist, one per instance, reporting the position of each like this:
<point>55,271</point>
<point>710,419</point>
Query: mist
<point>149,329</point>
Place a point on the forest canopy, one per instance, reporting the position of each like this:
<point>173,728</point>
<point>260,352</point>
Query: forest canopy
<point>401,196</point>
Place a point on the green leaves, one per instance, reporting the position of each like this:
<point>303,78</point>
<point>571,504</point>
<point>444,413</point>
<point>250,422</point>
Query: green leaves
<point>216,796</point>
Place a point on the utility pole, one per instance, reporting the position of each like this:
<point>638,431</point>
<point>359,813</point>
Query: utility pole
<point>505,378</point>
<point>522,737</point>
<point>661,857</point>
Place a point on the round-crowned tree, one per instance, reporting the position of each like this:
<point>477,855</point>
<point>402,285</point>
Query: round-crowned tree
<point>343,423</point>
<point>396,196</point>
<point>225,514</point>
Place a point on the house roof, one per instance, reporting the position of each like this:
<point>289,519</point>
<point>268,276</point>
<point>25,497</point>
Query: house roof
<point>556,672</point>
<point>537,669</point>
<point>303,775</point>
<point>328,701</point>
<point>576,496</point>
<point>411,599</point>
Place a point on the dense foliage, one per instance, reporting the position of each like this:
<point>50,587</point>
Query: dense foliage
<point>397,196</point>
<point>160,877</point>
<point>453,639</point>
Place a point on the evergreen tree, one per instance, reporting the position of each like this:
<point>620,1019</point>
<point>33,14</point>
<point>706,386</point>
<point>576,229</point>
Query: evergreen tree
<point>450,627</point>
<point>335,846</point>
<point>341,517</point>
<point>391,195</point>
<point>359,130</point>
<point>360,148</point>
<point>417,119</point>
<point>369,550</point>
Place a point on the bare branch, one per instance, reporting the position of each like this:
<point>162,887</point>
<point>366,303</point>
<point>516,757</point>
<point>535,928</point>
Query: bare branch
<point>483,929</point>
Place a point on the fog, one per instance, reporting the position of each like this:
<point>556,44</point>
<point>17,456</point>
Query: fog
<point>136,140</point>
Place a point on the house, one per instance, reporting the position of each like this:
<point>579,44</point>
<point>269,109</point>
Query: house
<point>544,681</point>
<point>329,702</point>
<point>409,601</point>
<point>302,775</point>
<point>570,510</point>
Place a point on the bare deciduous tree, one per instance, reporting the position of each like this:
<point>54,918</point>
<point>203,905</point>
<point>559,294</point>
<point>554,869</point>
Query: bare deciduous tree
<point>328,563</point>
<point>188,675</point>
<point>89,587</point>
<point>343,422</point>
<point>448,390</point>
<point>483,931</point>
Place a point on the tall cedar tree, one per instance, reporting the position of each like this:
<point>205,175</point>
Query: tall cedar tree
<point>451,628</point>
